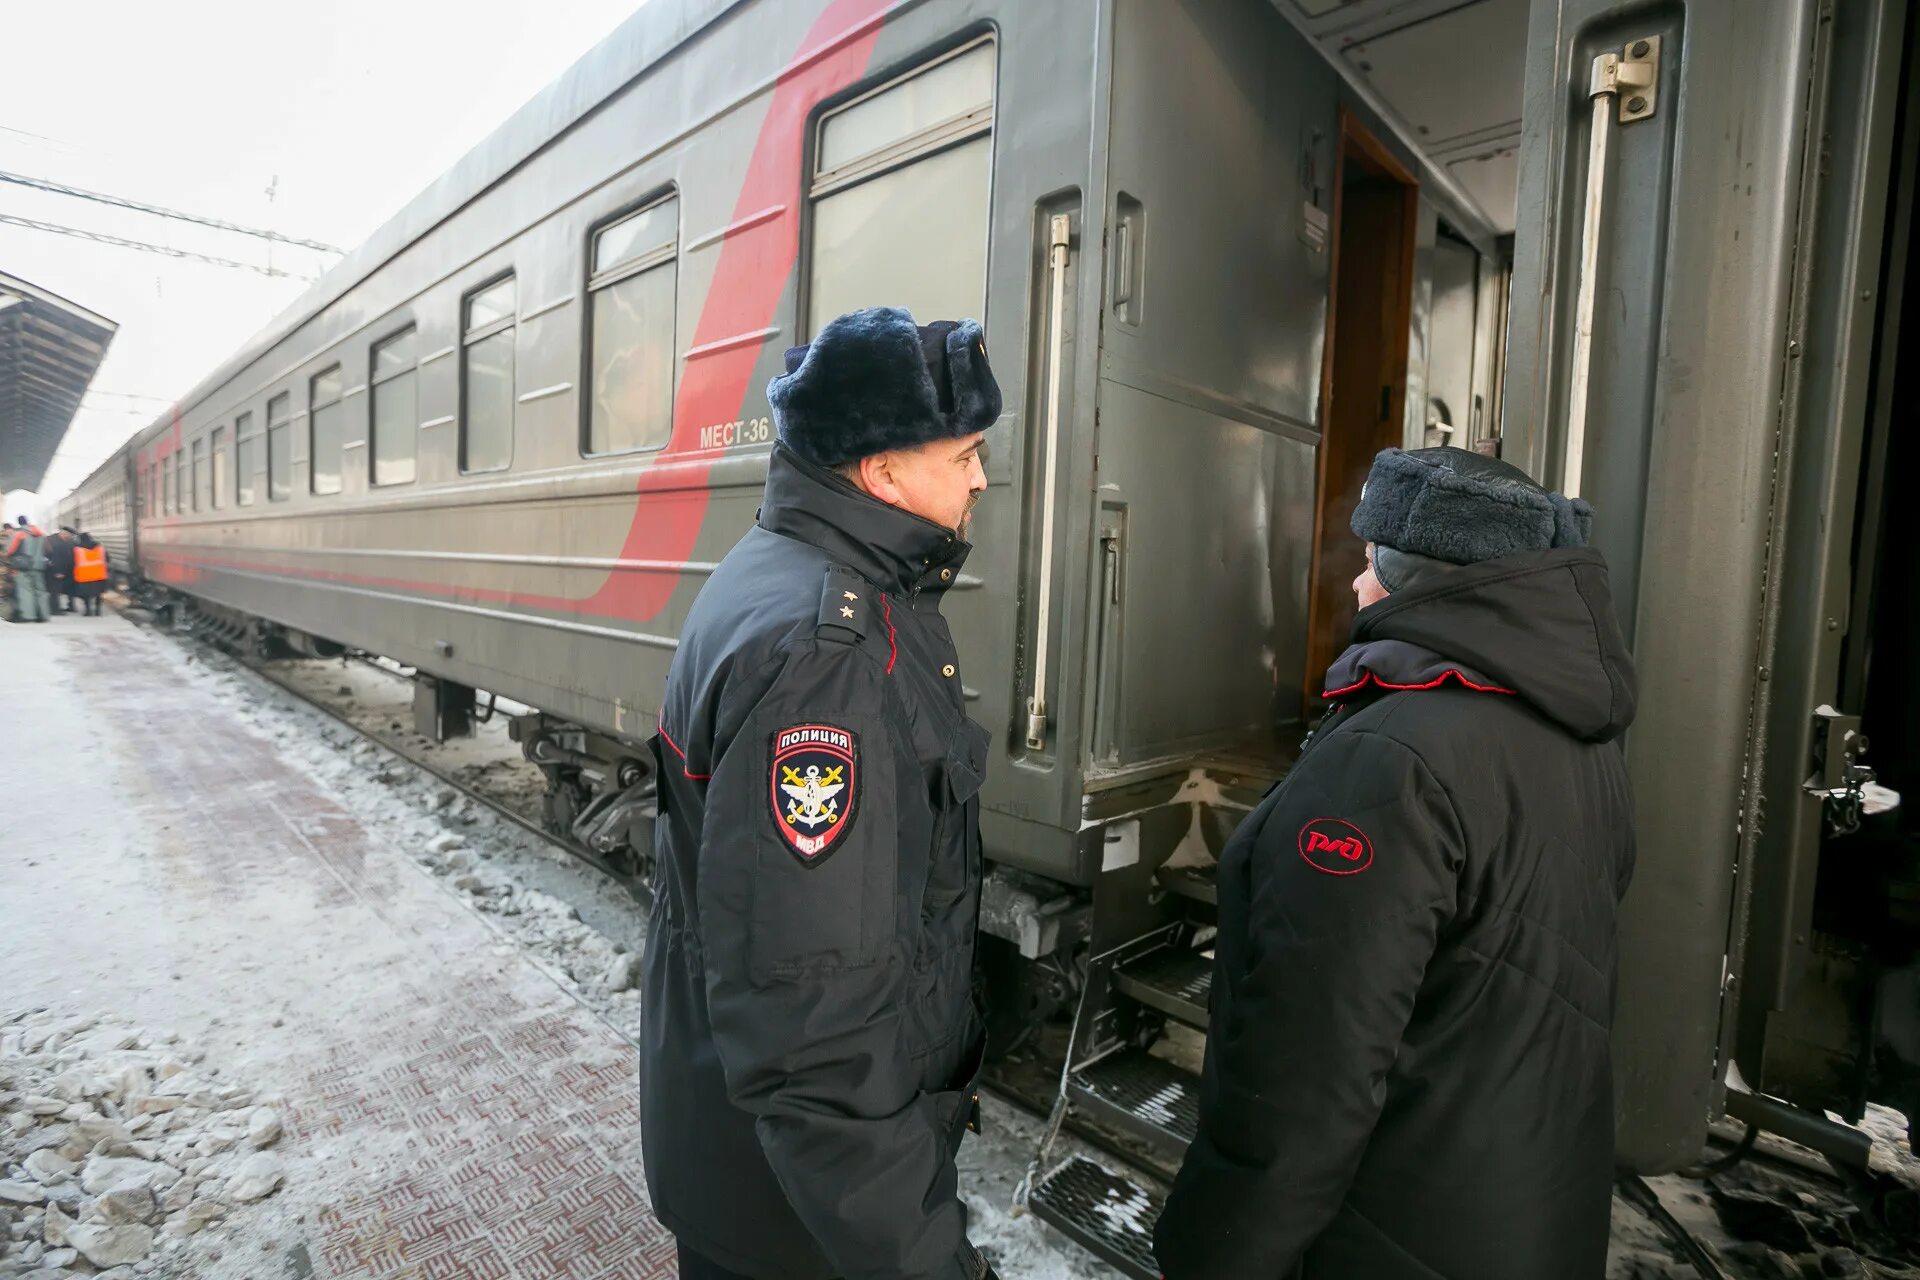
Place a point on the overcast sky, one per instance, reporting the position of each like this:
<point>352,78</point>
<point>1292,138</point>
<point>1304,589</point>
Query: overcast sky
<point>199,105</point>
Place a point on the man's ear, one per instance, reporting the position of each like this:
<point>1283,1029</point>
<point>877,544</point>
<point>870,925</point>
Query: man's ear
<point>876,477</point>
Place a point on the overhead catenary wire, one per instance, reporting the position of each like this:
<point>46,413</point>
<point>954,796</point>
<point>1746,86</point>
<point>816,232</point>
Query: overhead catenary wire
<point>129,410</point>
<point>100,237</point>
<point>161,211</point>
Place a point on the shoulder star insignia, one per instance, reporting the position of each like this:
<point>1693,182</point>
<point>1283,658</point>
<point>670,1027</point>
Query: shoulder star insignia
<point>849,595</point>
<point>845,612</point>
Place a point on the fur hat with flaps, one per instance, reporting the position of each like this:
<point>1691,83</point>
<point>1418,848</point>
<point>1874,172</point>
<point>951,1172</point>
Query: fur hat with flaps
<point>873,380</point>
<point>1426,509</point>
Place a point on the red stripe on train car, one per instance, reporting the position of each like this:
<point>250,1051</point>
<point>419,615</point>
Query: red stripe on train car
<point>751,274</point>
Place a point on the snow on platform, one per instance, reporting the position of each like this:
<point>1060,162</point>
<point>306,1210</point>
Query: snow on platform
<point>450,1110</point>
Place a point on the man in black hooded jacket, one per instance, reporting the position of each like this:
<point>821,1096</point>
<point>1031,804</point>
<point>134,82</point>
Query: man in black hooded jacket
<point>1408,1069</point>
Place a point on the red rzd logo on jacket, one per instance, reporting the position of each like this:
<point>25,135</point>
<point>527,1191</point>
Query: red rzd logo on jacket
<point>1335,847</point>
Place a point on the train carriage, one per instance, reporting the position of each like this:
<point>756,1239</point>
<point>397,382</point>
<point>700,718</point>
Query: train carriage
<point>506,439</point>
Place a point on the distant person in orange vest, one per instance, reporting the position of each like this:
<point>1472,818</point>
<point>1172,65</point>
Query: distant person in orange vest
<point>89,573</point>
<point>26,555</point>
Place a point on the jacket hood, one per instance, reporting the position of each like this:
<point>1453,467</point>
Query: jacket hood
<point>1539,626</point>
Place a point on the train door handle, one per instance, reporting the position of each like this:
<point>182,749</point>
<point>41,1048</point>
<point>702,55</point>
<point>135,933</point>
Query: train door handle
<point>1626,84</point>
<point>1059,236</point>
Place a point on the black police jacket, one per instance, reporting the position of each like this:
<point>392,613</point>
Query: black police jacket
<point>810,1037</point>
<point>1408,1072</point>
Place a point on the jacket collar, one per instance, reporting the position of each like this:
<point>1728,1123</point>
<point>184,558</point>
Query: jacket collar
<point>1387,666</point>
<point>894,549</point>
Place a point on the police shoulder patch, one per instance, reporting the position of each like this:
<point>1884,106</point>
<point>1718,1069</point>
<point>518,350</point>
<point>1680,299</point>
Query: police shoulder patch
<point>814,789</point>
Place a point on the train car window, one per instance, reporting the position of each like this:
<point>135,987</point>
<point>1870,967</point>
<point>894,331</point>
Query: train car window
<point>246,459</point>
<point>217,462</point>
<point>897,169</point>
<point>327,425</point>
<point>631,344</point>
<point>199,489</point>
<point>486,378</point>
<point>395,409</point>
<point>280,447</point>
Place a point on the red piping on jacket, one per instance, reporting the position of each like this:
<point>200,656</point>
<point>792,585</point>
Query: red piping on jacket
<point>893,649</point>
<point>696,777</point>
<point>1378,683</point>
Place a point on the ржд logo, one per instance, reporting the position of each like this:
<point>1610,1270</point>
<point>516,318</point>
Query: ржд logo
<point>1336,847</point>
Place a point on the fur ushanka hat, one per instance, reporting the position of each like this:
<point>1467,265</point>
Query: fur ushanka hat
<point>1426,509</point>
<point>873,380</point>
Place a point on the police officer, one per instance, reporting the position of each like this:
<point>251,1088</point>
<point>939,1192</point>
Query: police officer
<point>811,1041</point>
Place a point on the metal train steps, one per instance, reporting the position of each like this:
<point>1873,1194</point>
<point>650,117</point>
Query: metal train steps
<point>1177,981</point>
<point>1196,883</point>
<point>1139,1094</point>
<point>1102,1212</point>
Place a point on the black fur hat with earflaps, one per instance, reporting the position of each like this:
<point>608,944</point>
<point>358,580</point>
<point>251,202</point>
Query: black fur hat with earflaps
<point>873,380</point>
<point>1425,509</point>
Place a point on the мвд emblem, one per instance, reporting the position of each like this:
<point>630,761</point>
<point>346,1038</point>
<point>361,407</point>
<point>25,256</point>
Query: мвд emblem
<point>813,788</point>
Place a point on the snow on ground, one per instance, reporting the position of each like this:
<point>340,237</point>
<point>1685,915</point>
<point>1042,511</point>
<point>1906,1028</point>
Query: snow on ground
<point>126,1144</point>
<point>377,699</point>
<point>534,894</point>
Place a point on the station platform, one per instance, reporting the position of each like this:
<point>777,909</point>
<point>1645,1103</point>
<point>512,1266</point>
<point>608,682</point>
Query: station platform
<point>168,864</point>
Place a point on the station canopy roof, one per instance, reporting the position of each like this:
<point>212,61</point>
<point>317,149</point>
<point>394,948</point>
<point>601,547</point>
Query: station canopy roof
<point>49,350</point>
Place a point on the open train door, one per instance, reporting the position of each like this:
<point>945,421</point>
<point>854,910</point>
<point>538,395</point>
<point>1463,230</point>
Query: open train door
<point>1376,206</point>
<point>1700,303</point>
